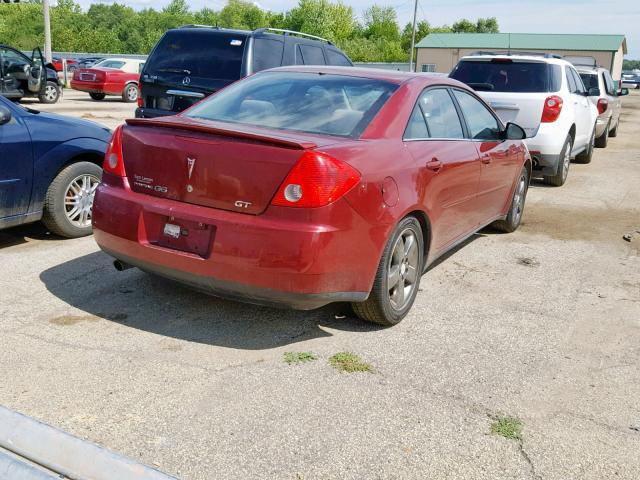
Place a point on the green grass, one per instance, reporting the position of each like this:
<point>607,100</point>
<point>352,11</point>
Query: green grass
<point>299,357</point>
<point>349,362</point>
<point>507,427</point>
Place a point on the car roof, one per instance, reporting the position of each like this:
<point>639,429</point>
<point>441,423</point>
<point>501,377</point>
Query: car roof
<point>393,76</point>
<point>515,56</point>
<point>586,69</point>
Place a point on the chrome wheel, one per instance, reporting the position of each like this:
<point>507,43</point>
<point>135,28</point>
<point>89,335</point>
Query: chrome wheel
<point>78,199</point>
<point>50,93</point>
<point>518,198</point>
<point>566,161</point>
<point>402,272</point>
<point>132,93</point>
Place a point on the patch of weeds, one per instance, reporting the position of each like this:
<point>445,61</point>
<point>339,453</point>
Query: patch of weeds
<point>349,362</point>
<point>299,357</point>
<point>507,427</point>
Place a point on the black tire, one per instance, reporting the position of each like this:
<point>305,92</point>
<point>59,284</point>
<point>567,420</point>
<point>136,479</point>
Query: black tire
<point>379,307</point>
<point>97,96</point>
<point>130,93</point>
<point>560,177</point>
<point>614,132</point>
<point>51,94</point>
<point>603,140</point>
<point>587,155</point>
<point>55,215</point>
<point>516,207</point>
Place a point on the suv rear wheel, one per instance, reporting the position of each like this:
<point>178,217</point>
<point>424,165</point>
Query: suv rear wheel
<point>564,161</point>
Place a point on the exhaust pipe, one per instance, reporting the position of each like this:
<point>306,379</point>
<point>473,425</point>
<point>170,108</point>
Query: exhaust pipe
<point>121,266</point>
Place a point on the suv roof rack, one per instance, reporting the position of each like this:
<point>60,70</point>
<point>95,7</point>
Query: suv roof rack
<point>512,53</point>
<point>198,25</point>
<point>292,32</point>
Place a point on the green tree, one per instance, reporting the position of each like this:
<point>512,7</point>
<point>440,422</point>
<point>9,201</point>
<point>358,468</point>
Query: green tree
<point>381,22</point>
<point>422,30</point>
<point>243,15</point>
<point>322,18</point>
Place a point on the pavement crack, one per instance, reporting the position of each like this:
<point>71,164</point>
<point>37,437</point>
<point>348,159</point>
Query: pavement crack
<point>525,456</point>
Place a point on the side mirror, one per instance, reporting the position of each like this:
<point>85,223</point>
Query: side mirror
<point>514,132</point>
<point>623,91</point>
<point>5,115</point>
<point>593,92</point>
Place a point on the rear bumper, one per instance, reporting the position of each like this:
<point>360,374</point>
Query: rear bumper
<point>293,259</point>
<point>93,87</point>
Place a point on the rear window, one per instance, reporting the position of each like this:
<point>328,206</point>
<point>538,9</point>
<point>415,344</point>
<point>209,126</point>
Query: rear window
<point>308,102</point>
<point>267,53</point>
<point>508,76</point>
<point>109,64</point>
<point>590,80</point>
<point>198,53</point>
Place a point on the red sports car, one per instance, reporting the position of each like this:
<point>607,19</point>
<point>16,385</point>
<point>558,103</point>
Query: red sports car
<point>302,186</point>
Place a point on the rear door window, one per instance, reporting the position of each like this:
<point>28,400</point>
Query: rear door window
<point>608,83</point>
<point>337,58</point>
<point>311,55</point>
<point>110,64</point>
<point>578,81</point>
<point>439,115</point>
<point>481,123</point>
<point>590,80</point>
<point>267,53</point>
<point>571,82</point>
<point>505,75</point>
<point>198,53</point>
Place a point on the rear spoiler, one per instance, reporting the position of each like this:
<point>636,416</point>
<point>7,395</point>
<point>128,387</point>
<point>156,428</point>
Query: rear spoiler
<point>219,128</point>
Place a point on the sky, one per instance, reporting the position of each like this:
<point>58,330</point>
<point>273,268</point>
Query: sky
<point>540,16</point>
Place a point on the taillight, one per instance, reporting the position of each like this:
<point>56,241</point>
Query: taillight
<point>603,104</point>
<point>140,99</point>
<point>315,181</point>
<point>113,161</point>
<point>552,109</point>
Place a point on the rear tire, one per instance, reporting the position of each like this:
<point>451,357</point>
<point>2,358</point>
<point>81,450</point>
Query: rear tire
<point>130,93</point>
<point>73,187</point>
<point>560,177</point>
<point>51,93</point>
<point>614,133</point>
<point>97,96</point>
<point>603,140</point>
<point>516,208</point>
<point>587,155</point>
<point>398,276</point>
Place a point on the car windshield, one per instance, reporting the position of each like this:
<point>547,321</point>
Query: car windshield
<point>590,80</point>
<point>199,53</point>
<point>505,75</point>
<point>309,102</point>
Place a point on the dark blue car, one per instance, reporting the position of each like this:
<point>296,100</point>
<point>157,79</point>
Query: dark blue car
<point>50,166</point>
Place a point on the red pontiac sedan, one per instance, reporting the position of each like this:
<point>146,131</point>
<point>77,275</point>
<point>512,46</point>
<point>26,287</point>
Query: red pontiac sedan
<point>302,186</point>
<point>111,76</point>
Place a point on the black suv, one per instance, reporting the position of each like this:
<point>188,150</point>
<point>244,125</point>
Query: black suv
<point>191,62</point>
<point>21,76</point>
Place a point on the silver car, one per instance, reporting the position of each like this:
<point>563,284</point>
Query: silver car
<point>608,102</point>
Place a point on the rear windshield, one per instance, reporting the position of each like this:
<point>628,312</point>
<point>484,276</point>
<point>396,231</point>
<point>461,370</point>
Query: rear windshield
<point>508,76</point>
<point>308,102</point>
<point>110,64</point>
<point>198,53</point>
<point>590,80</point>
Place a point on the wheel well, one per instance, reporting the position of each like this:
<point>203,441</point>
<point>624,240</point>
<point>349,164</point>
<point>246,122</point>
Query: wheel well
<point>132,82</point>
<point>83,157</point>
<point>426,229</point>
<point>529,167</point>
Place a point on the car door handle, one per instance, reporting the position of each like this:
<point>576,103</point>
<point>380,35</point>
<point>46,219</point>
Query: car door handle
<point>434,164</point>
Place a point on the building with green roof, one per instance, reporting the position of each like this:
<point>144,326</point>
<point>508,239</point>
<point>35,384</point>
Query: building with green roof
<point>440,52</point>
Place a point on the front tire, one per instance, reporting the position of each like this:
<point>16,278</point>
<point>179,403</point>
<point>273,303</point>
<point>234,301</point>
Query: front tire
<point>51,93</point>
<point>398,276</point>
<point>516,208</point>
<point>97,96</point>
<point>130,93</point>
<point>69,200</point>
<point>603,140</point>
<point>560,177</point>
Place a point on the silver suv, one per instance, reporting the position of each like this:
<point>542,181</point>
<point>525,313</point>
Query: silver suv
<point>608,101</point>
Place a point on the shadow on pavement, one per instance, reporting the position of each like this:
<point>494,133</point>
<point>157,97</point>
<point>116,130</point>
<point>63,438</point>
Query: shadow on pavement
<point>153,304</point>
<point>23,233</point>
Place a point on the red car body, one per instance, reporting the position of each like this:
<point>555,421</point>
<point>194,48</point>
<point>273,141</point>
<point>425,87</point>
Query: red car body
<point>243,243</point>
<point>57,63</point>
<point>108,81</point>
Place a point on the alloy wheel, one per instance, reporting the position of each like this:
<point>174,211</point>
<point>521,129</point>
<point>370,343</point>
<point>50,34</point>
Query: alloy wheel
<point>518,198</point>
<point>132,94</point>
<point>50,93</point>
<point>402,272</point>
<point>78,199</point>
<point>566,161</point>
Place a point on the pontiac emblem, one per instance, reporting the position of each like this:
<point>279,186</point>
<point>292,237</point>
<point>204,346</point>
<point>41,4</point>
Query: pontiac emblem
<point>191,162</point>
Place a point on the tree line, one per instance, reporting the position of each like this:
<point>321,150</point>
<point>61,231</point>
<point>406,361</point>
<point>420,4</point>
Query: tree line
<point>116,28</point>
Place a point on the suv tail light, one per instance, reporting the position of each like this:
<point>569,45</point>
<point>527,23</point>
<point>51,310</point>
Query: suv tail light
<point>552,109</point>
<point>603,104</point>
<point>113,161</point>
<point>315,181</point>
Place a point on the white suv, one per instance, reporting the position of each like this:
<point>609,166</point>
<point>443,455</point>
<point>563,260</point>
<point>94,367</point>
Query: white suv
<point>544,95</point>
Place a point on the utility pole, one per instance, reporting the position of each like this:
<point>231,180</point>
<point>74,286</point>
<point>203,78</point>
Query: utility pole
<point>413,37</point>
<point>47,31</point>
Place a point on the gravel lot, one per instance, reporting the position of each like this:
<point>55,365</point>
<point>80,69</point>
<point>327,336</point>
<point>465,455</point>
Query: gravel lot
<point>542,325</point>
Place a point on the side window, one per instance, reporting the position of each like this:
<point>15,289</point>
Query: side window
<point>337,58</point>
<point>267,53</point>
<point>12,61</point>
<point>555,77</point>
<point>579,85</point>
<point>482,124</point>
<point>311,55</point>
<point>571,83</point>
<point>416,128</point>
<point>608,84</point>
<point>438,113</point>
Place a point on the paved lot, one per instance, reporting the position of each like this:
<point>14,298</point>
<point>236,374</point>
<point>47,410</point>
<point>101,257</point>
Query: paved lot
<point>542,325</point>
